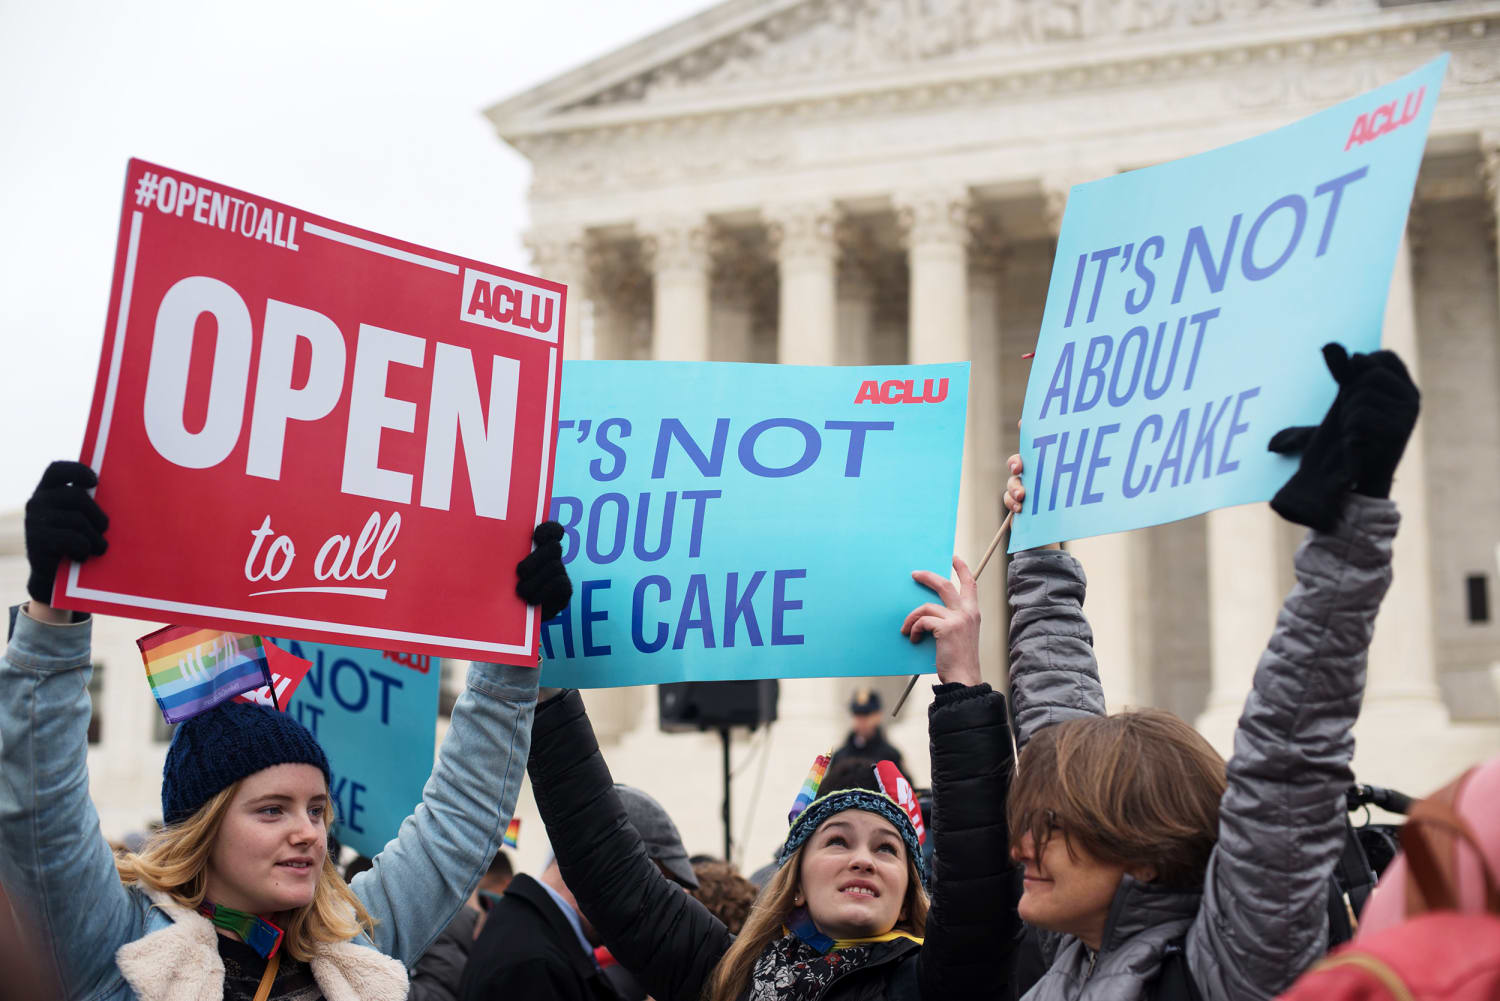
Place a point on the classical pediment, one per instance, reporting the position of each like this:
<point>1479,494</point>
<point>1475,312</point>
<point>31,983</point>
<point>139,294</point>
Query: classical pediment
<point>774,43</point>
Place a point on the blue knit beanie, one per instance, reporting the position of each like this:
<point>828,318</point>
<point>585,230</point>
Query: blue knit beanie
<point>868,800</point>
<point>212,751</point>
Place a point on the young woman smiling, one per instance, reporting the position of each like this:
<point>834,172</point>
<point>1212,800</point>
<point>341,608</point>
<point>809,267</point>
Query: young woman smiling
<point>846,915</point>
<point>236,896</point>
<point>1152,867</point>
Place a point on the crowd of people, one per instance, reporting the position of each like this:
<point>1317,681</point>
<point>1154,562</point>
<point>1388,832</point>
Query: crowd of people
<point>1068,855</point>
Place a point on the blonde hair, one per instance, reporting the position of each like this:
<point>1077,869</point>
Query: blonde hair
<point>1138,788</point>
<point>175,861</point>
<point>769,913</point>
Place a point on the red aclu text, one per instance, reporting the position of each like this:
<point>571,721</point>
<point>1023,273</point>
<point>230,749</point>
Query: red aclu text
<point>1373,124</point>
<point>902,391</point>
<point>508,305</point>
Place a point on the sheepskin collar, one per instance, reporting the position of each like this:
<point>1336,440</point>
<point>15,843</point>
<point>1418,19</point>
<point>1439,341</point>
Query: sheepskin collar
<point>181,963</point>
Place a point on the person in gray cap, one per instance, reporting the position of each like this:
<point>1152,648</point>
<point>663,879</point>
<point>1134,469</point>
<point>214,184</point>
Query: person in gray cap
<point>536,942</point>
<point>866,740</point>
<point>659,835</point>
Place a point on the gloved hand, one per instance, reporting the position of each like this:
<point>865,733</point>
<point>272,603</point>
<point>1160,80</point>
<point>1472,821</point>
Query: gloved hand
<point>1358,444</point>
<point>1378,422</point>
<point>62,520</point>
<point>541,578</point>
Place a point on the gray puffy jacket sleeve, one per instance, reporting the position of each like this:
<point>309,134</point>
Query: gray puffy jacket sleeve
<point>1281,822</point>
<point>1053,674</point>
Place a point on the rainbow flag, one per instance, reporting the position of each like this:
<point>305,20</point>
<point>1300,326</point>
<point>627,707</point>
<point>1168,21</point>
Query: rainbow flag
<point>191,669</point>
<point>809,790</point>
<point>511,833</point>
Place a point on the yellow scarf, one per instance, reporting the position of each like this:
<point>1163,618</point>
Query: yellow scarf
<point>845,943</point>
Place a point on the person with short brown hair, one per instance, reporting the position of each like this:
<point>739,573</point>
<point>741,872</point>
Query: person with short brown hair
<point>1152,868</point>
<point>1134,788</point>
<point>726,893</point>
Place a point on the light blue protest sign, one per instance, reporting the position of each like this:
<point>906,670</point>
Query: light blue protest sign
<point>1187,305</point>
<point>376,716</point>
<point>734,521</point>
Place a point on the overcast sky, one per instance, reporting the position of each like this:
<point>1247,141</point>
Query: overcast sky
<point>369,113</point>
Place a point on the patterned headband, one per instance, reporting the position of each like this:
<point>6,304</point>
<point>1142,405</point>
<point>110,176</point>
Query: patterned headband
<point>895,801</point>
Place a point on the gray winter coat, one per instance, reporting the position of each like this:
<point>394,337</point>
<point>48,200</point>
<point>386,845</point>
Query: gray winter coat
<point>1261,918</point>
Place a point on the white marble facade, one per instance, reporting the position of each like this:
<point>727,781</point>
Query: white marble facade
<point>872,181</point>
<point>857,181</point>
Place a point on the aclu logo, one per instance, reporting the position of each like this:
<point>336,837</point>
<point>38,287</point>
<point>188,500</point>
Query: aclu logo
<point>902,391</point>
<point>506,304</point>
<point>1373,124</point>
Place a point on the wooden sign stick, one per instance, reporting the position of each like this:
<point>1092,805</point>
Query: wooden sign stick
<point>983,561</point>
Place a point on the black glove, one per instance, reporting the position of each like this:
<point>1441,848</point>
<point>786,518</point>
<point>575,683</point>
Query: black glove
<point>541,578</point>
<point>1358,444</point>
<point>62,520</point>
<point>1378,422</point>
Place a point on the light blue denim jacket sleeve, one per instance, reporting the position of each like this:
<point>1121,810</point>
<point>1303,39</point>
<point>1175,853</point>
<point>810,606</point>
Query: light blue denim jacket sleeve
<point>422,877</point>
<point>55,862</point>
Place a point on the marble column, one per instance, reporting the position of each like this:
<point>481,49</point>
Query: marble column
<point>984,450</point>
<point>935,225</point>
<point>1245,557</point>
<point>677,252</point>
<point>1489,152</point>
<point>856,280</point>
<point>619,324</point>
<point>856,316</point>
<point>1402,665</point>
<point>807,253</point>
<point>560,254</point>
<point>1404,725</point>
<point>1113,563</point>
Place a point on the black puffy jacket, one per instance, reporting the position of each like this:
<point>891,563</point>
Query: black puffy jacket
<point>673,943</point>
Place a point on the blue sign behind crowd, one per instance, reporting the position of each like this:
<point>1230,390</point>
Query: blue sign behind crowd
<point>734,521</point>
<point>1187,305</point>
<point>376,716</point>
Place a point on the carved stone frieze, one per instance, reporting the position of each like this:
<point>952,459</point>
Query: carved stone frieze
<point>828,38</point>
<point>1189,82</point>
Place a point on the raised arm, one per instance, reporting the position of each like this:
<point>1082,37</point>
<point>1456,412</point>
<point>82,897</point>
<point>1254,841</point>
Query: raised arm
<point>972,926</point>
<point>1053,674</point>
<point>428,870</point>
<point>664,936</point>
<point>54,861</point>
<point>424,875</point>
<point>1281,829</point>
<point>1281,821</point>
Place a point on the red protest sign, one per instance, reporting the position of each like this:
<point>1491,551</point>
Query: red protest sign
<point>287,672</point>
<point>305,428</point>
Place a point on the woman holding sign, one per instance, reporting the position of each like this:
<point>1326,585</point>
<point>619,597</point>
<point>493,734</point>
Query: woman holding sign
<point>236,896</point>
<point>1153,868</point>
<point>847,914</point>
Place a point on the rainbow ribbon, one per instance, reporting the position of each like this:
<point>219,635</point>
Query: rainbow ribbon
<point>512,832</point>
<point>809,790</point>
<point>256,932</point>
